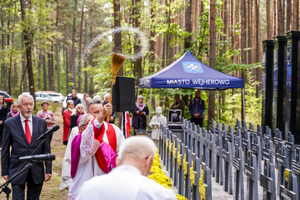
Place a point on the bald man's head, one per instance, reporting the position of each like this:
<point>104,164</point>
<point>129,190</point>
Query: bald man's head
<point>137,151</point>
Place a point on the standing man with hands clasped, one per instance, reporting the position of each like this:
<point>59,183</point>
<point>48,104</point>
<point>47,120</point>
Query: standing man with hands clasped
<point>20,134</point>
<point>197,108</point>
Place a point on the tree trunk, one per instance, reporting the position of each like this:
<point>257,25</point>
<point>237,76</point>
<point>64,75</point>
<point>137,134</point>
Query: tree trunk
<point>250,3</point>
<point>9,71</point>
<point>212,58</point>
<point>67,68</point>
<point>188,24</point>
<point>80,45</point>
<point>280,18</point>
<point>274,18</point>
<point>152,45</point>
<point>118,36</point>
<point>243,32</point>
<point>283,14</point>
<point>39,68</point>
<point>152,35</point>
<point>57,50</point>
<point>3,64</point>
<point>50,68</point>
<point>168,34</point>
<point>24,68</point>
<point>70,70</point>
<point>57,65</point>
<point>236,21</point>
<point>257,41</point>
<point>231,27</point>
<point>295,14</point>
<point>73,47</point>
<point>11,54</point>
<point>85,59</point>
<point>28,42</point>
<point>288,15</point>
<point>44,71</point>
<point>138,62</point>
<point>15,82</point>
<point>91,92</point>
<point>269,22</point>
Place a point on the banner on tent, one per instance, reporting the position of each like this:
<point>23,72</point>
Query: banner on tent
<point>197,82</point>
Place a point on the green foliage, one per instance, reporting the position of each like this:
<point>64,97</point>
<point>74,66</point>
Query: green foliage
<point>231,110</point>
<point>156,17</point>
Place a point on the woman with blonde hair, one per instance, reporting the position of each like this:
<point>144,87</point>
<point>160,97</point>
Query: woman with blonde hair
<point>77,112</point>
<point>3,113</point>
<point>14,110</point>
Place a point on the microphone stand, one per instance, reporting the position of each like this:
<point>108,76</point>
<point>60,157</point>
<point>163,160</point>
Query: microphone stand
<point>27,165</point>
<point>37,148</point>
<point>4,187</point>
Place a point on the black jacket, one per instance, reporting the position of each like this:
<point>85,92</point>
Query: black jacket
<point>197,107</point>
<point>3,113</point>
<point>73,121</point>
<point>135,117</point>
<point>76,100</point>
<point>14,136</point>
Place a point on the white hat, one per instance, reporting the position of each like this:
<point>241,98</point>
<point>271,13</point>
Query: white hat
<point>140,96</point>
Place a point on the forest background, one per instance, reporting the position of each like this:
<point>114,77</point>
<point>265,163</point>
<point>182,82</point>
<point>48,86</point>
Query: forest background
<point>43,42</point>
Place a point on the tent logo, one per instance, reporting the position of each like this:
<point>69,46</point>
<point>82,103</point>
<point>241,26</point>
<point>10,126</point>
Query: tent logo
<point>192,67</point>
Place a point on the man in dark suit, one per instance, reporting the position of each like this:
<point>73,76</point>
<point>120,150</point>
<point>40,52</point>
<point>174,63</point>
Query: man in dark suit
<point>21,133</point>
<point>74,98</point>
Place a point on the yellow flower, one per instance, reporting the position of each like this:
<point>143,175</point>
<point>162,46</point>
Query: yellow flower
<point>180,197</point>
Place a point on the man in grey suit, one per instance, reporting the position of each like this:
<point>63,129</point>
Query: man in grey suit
<point>21,133</point>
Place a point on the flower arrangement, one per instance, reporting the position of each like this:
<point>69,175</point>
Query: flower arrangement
<point>160,177</point>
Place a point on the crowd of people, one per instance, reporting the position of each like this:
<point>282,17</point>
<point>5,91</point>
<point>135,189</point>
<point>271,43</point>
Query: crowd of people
<point>94,146</point>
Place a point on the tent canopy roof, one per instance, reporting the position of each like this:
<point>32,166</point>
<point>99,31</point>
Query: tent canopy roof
<point>189,72</point>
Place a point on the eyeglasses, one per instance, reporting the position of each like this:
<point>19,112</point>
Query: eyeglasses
<point>85,124</point>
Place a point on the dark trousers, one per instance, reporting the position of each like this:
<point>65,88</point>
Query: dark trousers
<point>1,133</point>
<point>140,126</point>
<point>198,121</point>
<point>33,190</point>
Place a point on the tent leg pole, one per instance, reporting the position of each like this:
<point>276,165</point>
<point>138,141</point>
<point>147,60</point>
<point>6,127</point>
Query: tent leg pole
<point>150,106</point>
<point>218,100</point>
<point>243,104</point>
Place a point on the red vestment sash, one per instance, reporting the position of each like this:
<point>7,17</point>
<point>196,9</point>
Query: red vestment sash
<point>112,141</point>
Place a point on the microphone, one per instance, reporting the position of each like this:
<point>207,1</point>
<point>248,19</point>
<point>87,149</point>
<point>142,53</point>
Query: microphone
<point>46,134</point>
<point>41,157</point>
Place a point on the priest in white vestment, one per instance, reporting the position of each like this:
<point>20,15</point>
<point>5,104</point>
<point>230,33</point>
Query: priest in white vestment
<point>155,123</point>
<point>90,161</point>
<point>129,180</point>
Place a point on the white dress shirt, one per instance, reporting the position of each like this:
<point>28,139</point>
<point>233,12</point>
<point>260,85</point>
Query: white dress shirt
<point>124,182</point>
<point>29,123</point>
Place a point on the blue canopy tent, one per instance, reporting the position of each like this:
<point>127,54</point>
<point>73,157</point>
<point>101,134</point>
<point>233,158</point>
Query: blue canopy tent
<point>189,72</point>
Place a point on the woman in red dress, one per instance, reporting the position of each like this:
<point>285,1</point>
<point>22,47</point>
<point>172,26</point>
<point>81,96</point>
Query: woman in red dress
<point>67,120</point>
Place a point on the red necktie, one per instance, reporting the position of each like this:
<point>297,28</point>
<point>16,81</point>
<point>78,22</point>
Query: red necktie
<point>27,131</point>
